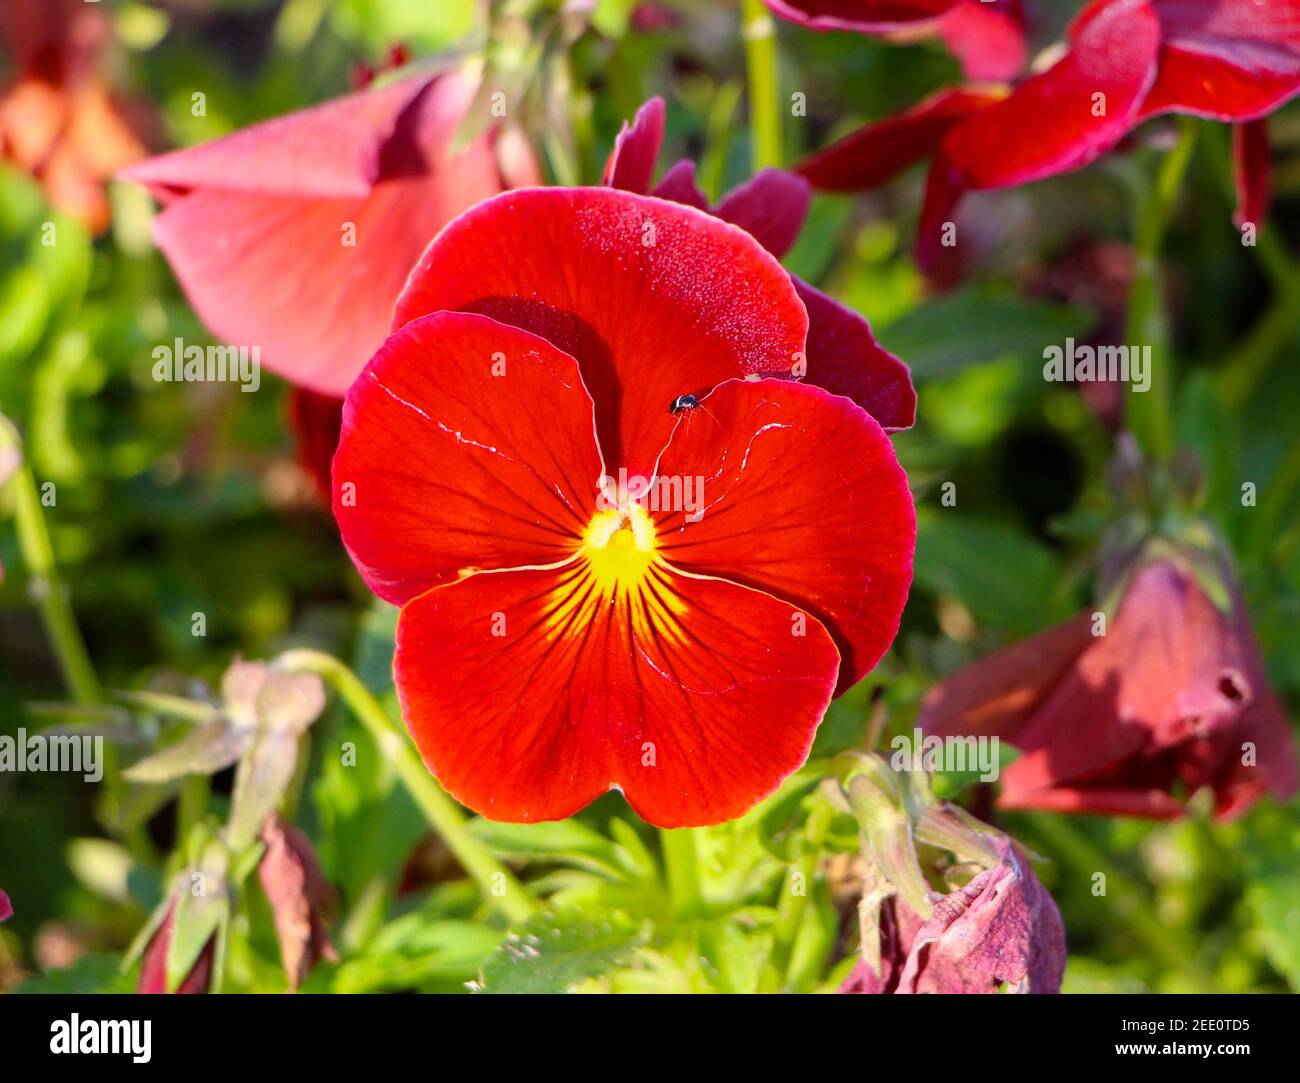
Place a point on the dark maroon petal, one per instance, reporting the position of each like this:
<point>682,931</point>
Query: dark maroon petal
<point>844,358</point>
<point>1251,170</point>
<point>679,185</point>
<point>864,16</point>
<point>631,164</point>
<point>771,207</point>
<point>153,964</point>
<point>6,907</point>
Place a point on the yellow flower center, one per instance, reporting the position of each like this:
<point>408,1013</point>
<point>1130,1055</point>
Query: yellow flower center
<point>619,548</point>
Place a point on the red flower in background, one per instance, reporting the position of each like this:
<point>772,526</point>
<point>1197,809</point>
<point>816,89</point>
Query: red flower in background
<point>842,355</point>
<point>1173,698</point>
<point>58,119</point>
<point>558,638</point>
<point>987,36</point>
<point>1123,62</point>
<point>1002,927</point>
<point>6,907</point>
<point>296,235</point>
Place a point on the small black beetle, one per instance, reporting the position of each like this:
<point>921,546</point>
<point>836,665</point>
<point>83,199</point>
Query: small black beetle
<point>683,402</point>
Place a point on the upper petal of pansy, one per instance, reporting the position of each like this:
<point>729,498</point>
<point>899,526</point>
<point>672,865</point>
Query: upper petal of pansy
<point>844,358</point>
<point>1230,60</point>
<point>1064,117</point>
<point>771,207</point>
<point>679,185</point>
<point>531,692</point>
<point>798,493</point>
<point>865,16</point>
<point>653,298</point>
<point>466,444</point>
<point>266,267</point>
<point>878,152</point>
<point>631,164</point>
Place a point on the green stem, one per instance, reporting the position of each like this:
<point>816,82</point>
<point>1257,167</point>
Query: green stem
<point>1150,413</point>
<point>1132,903</point>
<point>758,28</point>
<point>682,870</point>
<point>47,587</point>
<point>499,884</point>
<point>793,905</point>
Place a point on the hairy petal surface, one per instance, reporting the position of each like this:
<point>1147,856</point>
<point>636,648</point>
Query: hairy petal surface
<point>466,444</point>
<point>837,542</point>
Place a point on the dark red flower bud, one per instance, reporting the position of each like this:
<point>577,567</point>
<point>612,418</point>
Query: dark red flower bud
<point>153,966</point>
<point>301,899</point>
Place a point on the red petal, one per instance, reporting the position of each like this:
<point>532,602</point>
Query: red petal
<point>770,207</point>
<point>694,698</point>
<point>654,299</point>
<point>333,150</point>
<point>864,16</point>
<point>1046,125</point>
<point>803,498</point>
<point>879,152</point>
<point>995,695</point>
<point>988,38</point>
<point>455,468</point>
<point>262,256</point>
<point>631,164</point>
<point>1231,60</point>
<point>6,907</point>
<point>844,358</point>
<point>1251,170</point>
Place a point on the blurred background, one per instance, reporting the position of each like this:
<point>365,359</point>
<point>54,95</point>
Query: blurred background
<point>175,499</point>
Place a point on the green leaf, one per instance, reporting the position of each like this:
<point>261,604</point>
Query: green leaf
<point>1273,886</point>
<point>976,325</point>
<point>1005,578</point>
<point>553,952</point>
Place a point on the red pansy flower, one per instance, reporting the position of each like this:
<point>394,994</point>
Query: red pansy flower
<point>561,633</point>
<point>987,36</point>
<point>1001,928</point>
<point>1172,699</point>
<point>841,355</point>
<point>1123,61</point>
<point>59,120</point>
<point>278,231</point>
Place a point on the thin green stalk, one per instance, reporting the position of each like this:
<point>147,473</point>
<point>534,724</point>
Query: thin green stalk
<point>48,589</point>
<point>758,29</point>
<point>498,883</point>
<point>682,870</point>
<point>1132,903</point>
<point>1150,413</point>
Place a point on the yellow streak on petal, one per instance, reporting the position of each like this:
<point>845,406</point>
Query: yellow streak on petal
<point>619,566</point>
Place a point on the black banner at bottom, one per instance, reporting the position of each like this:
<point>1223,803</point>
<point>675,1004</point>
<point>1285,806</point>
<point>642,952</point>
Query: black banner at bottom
<point>339,1032</point>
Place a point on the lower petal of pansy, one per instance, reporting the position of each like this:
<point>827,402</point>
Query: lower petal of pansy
<point>531,692</point>
<point>466,444</point>
<point>797,492</point>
